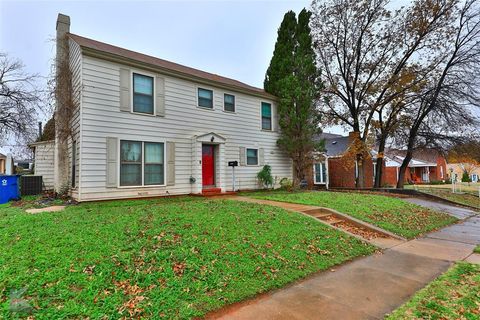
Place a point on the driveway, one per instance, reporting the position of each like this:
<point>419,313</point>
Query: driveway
<point>456,211</point>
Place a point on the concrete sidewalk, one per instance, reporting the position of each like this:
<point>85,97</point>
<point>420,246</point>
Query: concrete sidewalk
<point>370,287</point>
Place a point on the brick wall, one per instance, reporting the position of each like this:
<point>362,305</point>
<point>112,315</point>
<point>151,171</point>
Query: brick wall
<point>441,163</point>
<point>390,176</point>
<point>342,175</point>
<point>339,175</point>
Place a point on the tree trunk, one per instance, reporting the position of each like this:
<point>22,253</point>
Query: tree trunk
<point>403,169</point>
<point>408,157</point>
<point>298,172</point>
<point>379,164</point>
<point>378,172</point>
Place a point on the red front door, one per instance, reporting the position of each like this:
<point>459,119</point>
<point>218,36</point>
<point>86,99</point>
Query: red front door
<point>208,165</point>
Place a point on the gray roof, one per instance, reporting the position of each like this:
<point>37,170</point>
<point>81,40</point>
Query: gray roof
<point>335,144</point>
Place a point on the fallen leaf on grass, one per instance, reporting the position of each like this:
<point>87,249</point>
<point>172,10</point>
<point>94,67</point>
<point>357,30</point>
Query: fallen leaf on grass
<point>89,269</point>
<point>179,268</point>
<point>131,306</point>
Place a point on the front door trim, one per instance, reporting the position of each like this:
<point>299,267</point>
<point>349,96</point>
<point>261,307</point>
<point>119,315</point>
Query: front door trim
<point>219,142</point>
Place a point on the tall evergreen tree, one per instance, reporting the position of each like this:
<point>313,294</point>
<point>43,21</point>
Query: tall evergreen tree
<point>293,77</point>
<point>282,63</point>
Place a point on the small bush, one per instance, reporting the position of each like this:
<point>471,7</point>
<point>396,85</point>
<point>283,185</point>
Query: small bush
<point>286,184</point>
<point>265,176</point>
<point>466,177</point>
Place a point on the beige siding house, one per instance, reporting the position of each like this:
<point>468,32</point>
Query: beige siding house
<point>148,127</point>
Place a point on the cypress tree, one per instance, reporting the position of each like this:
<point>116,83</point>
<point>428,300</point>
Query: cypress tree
<point>294,78</point>
<point>282,63</point>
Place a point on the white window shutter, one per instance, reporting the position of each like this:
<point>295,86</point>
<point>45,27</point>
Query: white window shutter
<point>243,160</point>
<point>261,157</point>
<point>111,172</point>
<point>160,99</point>
<point>125,90</point>
<point>170,163</point>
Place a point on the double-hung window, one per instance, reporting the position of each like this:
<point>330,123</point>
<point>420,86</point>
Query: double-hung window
<point>229,102</point>
<point>252,157</point>
<point>266,116</point>
<point>205,98</point>
<point>142,163</point>
<point>143,94</point>
<point>320,173</point>
<point>153,164</point>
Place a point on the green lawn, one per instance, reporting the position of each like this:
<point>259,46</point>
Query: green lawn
<point>163,258</point>
<point>453,295</point>
<point>466,198</point>
<point>392,214</point>
<point>477,249</point>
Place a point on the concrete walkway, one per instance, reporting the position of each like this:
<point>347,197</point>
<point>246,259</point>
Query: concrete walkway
<point>370,287</point>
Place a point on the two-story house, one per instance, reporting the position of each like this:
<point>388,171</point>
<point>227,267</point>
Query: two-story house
<point>147,127</point>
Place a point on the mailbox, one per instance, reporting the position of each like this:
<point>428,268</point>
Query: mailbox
<point>233,163</point>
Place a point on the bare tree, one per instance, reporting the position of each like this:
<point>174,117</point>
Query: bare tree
<point>369,57</point>
<point>452,92</point>
<point>19,101</point>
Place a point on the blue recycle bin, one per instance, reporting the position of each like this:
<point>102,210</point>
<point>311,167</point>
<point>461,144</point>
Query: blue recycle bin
<point>9,189</point>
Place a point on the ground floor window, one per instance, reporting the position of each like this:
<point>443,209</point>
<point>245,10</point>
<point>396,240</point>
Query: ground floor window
<point>252,157</point>
<point>474,177</point>
<point>320,173</point>
<point>142,163</point>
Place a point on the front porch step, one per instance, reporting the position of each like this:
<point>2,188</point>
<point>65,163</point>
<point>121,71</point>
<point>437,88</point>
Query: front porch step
<point>215,192</point>
<point>211,191</point>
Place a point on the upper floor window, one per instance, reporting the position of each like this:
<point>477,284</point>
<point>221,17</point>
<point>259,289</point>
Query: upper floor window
<point>252,157</point>
<point>205,98</point>
<point>266,116</point>
<point>142,93</point>
<point>229,102</point>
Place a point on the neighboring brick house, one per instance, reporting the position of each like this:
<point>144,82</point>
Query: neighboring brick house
<point>336,167</point>
<point>427,165</point>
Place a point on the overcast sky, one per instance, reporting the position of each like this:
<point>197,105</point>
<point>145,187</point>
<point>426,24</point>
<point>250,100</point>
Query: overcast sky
<point>231,38</point>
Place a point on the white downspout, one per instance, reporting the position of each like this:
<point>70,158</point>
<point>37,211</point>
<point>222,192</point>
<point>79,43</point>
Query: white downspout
<point>328,172</point>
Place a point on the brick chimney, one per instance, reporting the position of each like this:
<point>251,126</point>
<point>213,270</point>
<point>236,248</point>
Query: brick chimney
<point>352,136</point>
<point>61,168</point>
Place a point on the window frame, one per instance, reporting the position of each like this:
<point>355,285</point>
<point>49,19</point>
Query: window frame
<point>261,116</point>
<point>143,185</point>
<point>132,92</point>
<point>234,102</point>
<point>322,165</point>
<point>198,98</point>
<point>246,157</point>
